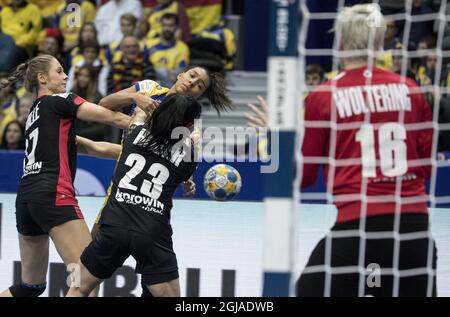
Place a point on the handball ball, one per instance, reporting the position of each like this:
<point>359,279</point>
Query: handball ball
<point>222,182</point>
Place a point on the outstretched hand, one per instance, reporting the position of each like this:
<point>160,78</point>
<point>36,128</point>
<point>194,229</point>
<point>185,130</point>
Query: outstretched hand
<point>259,117</point>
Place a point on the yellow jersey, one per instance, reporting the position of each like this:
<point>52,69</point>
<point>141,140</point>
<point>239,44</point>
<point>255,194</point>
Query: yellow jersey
<point>49,8</point>
<point>152,89</point>
<point>24,25</point>
<point>226,37</point>
<point>154,20</point>
<point>171,57</point>
<point>203,13</point>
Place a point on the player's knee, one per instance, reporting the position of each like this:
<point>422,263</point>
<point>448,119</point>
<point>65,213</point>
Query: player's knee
<point>160,285</point>
<point>27,290</point>
<point>167,289</point>
<point>160,290</point>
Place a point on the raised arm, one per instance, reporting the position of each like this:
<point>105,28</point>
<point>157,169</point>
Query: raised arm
<point>88,111</point>
<point>126,97</point>
<point>99,149</point>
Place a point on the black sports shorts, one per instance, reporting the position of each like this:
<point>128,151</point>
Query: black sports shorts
<point>34,219</point>
<point>153,252</point>
<point>415,255</point>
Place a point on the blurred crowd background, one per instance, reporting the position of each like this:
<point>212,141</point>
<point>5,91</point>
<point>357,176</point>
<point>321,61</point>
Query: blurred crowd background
<point>107,47</point>
<point>112,44</point>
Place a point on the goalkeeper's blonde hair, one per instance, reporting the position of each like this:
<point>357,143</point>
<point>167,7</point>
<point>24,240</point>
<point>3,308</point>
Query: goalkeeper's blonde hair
<point>360,27</point>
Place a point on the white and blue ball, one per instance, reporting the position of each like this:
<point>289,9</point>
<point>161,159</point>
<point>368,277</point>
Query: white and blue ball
<point>222,182</point>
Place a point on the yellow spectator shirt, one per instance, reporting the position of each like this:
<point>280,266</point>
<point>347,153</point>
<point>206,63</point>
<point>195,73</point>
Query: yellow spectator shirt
<point>225,36</point>
<point>171,57</point>
<point>49,8</point>
<point>203,13</point>
<point>154,20</point>
<point>23,25</point>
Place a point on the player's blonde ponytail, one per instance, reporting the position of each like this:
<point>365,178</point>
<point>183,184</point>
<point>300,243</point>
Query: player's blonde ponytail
<point>28,72</point>
<point>16,75</point>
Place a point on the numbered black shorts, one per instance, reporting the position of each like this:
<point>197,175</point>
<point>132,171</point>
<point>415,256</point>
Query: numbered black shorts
<point>152,250</point>
<point>37,219</point>
<point>414,263</point>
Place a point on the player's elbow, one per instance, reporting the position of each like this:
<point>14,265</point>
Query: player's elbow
<point>120,120</point>
<point>113,151</point>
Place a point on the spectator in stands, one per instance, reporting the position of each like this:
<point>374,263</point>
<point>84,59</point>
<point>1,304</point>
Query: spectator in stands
<point>214,48</point>
<point>420,29</point>
<point>9,54</point>
<point>22,21</point>
<point>88,34</point>
<point>163,7</point>
<point>71,30</point>
<point>53,44</point>
<point>86,86</point>
<point>391,42</point>
<point>425,44</point>
<point>203,14</point>
<point>314,75</point>
<point>130,67</point>
<point>108,16</point>
<point>390,38</point>
<point>431,61</point>
<point>168,55</point>
<point>426,62</point>
<point>418,64</point>
<point>49,11</point>
<point>90,57</point>
<point>397,63</point>
<point>128,27</point>
<point>13,136</point>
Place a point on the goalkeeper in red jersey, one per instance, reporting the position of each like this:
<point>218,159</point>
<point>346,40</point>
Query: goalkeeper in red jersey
<point>371,131</point>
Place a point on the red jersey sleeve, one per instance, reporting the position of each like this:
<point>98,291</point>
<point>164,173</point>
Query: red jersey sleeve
<point>425,136</point>
<point>66,105</point>
<point>315,138</point>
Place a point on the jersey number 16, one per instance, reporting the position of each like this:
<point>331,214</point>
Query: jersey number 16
<point>392,149</point>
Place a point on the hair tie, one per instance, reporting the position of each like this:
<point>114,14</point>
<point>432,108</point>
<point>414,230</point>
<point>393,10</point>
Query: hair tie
<point>375,17</point>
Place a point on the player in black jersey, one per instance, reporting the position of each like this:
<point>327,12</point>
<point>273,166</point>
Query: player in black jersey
<point>46,204</point>
<point>147,94</point>
<point>136,217</point>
